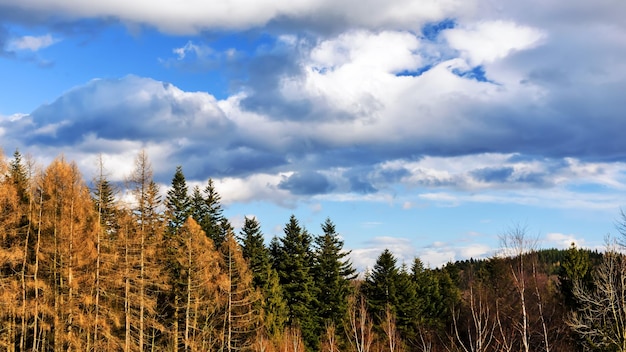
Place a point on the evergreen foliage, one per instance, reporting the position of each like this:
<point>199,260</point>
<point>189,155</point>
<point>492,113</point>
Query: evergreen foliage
<point>177,202</point>
<point>293,262</point>
<point>207,211</point>
<point>333,273</point>
<point>576,266</point>
<point>380,284</point>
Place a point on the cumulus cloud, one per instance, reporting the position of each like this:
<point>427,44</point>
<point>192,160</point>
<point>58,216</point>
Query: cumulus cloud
<point>196,16</point>
<point>486,42</point>
<point>263,157</point>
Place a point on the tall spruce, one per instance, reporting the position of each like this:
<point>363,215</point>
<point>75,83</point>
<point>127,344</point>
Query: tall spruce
<point>380,286</point>
<point>177,202</point>
<point>332,273</point>
<point>254,251</point>
<point>294,265</point>
<point>206,209</point>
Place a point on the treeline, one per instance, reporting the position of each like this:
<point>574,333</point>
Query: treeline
<point>103,268</point>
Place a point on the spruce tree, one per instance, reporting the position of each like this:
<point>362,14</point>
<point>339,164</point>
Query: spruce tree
<point>294,264</point>
<point>576,266</point>
<point>177,202</point>
<point>406,305</point>
<point>332,272</point>
<point>254,251</point>
<point>379,287</point>
<point>206,209</point>
<point>18,175</point>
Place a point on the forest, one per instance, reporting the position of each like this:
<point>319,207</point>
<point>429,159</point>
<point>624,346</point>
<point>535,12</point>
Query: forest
<point>99,266</point>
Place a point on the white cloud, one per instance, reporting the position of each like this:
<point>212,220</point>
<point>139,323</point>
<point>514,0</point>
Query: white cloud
<point>486,42</point>
<point>196,15</point>
<point>562,241</point>
<point>32,43</point>
<point>254,187</point>
<point>365,257</point>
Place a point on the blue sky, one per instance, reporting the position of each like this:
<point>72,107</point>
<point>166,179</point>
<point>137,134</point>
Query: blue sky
<point>426,127</point>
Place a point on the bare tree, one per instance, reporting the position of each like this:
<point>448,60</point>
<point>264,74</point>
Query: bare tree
<point>601,319</point>
<point>518,244</point>
<point>481,327</point>
<point>394,341</point>
<point>359,324</point>
<point>329,343</point>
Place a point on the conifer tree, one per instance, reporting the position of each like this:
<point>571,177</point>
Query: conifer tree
<point>197,304</point>
<point>254,251</point>
<point>405,308</point>
<point>293,264</point>
<point>576,266</point>
<point>177,202</point>
<point>241,316</point>
<point>19,175</point>
<point>272,305</point>
<point>11,259</point>
<point>379,287</point>
<point>68,252</point>
<point>140,242</point>
<point>207,211</point>
<point>106,290</point>
<point>333,273</point>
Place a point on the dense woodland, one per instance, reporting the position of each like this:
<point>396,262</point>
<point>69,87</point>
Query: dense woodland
<point>96,266</point>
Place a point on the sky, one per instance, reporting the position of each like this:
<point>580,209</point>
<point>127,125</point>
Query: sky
<point>428,127</point>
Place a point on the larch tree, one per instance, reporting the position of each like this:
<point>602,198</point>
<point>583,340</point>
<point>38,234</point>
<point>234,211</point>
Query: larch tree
<point>141,241</point>
<point>241,316</point>
<point>106,316</point>
<point>200,282</point>
<point>69,253</point>
<point>20,176</point>
<point>11,260</point>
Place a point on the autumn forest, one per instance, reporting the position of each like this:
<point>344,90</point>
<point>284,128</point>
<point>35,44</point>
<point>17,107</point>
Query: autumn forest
<point>93,265</point>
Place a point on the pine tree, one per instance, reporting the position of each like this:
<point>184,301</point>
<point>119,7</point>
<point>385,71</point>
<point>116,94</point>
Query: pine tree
<point>333,273</point>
